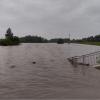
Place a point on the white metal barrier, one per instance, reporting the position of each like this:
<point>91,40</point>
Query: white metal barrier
<point>88,59</point>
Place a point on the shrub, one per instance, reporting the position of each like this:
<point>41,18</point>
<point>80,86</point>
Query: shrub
<point>60,41</point>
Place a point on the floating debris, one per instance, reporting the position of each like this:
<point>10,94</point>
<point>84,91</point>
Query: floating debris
<point>13,66</point>
<point>52,60</point>
<point>34,62</point>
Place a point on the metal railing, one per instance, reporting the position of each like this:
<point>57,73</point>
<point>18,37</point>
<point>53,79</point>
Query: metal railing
<point>88,59</point>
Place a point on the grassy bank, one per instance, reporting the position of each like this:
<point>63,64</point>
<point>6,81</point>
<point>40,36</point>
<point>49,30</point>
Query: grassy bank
<point>90,43</point>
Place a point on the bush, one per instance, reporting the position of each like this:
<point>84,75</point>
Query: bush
<point>8,41</point>
<point>60,41</point>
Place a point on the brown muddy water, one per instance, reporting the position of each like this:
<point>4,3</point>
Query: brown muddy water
<point>42,71</point>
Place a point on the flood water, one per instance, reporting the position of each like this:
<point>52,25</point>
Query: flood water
<point>51,76</point>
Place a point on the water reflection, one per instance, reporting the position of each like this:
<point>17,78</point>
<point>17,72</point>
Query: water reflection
<point>9,56</point>
<point>80,69</point>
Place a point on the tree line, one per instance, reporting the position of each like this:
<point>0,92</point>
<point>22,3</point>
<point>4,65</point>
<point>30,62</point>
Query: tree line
<point>10,39</point>
<point>88,39</point>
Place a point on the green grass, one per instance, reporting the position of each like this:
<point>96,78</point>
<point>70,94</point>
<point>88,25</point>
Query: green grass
<point>90,43</point>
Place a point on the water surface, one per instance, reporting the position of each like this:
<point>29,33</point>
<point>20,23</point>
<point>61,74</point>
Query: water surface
<point>51,77</point>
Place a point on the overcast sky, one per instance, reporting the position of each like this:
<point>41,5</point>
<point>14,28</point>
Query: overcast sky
<point>50,18</point>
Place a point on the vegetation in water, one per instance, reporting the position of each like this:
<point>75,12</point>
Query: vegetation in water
<point>10,39</point>
<point>60,41</point>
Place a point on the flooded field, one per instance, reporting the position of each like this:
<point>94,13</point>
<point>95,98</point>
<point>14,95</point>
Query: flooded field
<point>42,71</point>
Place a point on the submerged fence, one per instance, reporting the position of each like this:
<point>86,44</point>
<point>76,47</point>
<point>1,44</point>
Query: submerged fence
<point>87,60</point>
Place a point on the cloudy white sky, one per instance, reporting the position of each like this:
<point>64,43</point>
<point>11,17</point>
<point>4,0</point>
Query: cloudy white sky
<point>50,18</point>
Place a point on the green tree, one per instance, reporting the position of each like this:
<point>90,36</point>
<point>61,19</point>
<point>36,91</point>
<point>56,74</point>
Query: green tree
<point>9,39</point>
<point>9,33</point>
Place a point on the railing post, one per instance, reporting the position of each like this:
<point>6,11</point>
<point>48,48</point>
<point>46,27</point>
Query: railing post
<point>88,59</point>
<point>84,59</point>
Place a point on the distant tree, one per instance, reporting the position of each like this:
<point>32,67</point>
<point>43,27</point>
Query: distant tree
<point>97,38</point>
<point>33,39</point>
<point>9,39</point>
<point>9,33</point>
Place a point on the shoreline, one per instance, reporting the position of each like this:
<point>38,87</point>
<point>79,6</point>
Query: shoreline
<point>90,43</point>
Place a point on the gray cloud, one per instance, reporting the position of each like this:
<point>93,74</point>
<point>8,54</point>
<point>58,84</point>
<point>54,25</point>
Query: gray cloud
<point>50,18</point>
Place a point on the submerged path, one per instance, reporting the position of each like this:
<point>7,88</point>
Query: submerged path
<point>51,77</point>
